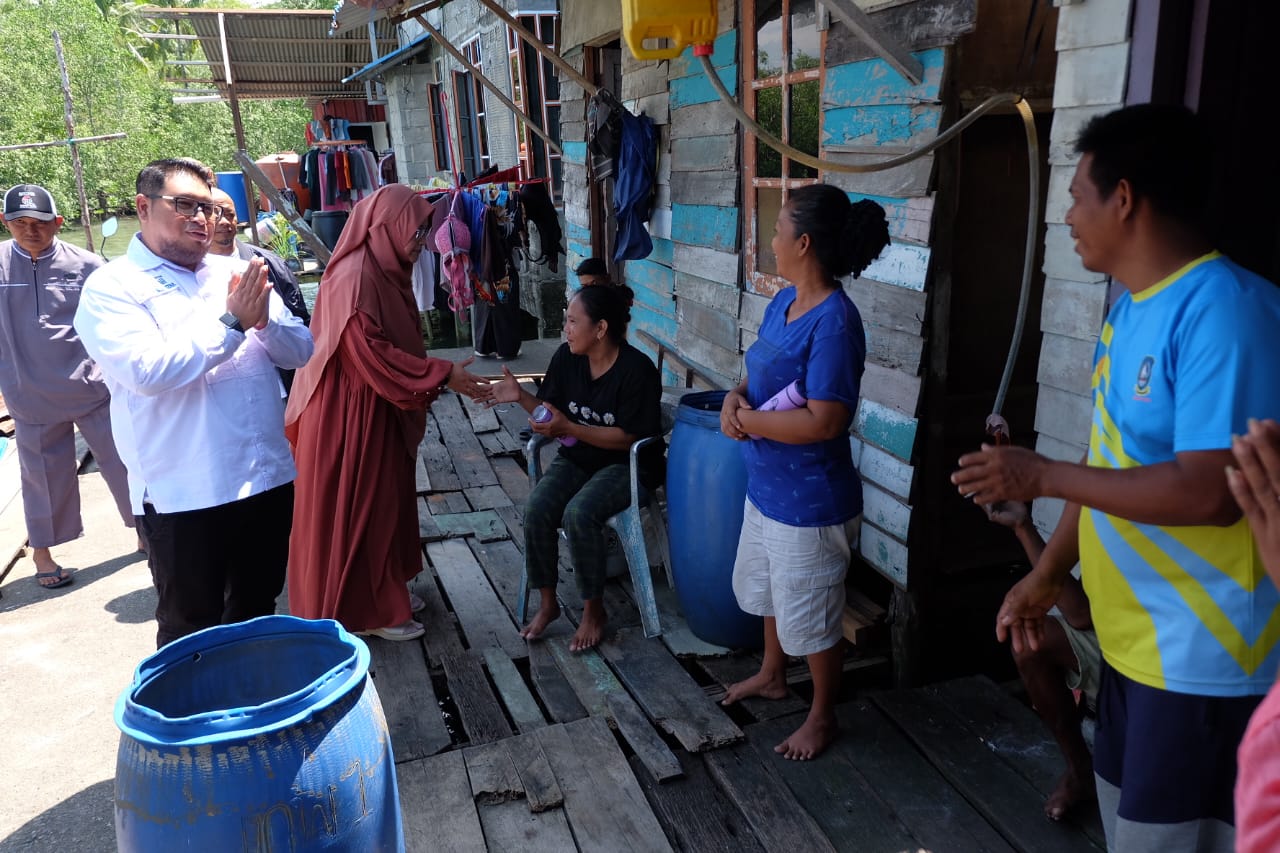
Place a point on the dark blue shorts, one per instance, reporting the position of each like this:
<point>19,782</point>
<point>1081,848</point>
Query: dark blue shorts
<point>1172,755</point>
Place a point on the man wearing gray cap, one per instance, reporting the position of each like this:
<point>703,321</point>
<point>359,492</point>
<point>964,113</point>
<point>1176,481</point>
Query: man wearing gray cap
<point>50,384</point>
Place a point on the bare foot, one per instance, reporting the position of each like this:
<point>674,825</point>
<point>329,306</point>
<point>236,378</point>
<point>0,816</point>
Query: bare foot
<point>1072,790</point>
<point>808,741</point>
<point>545,616</point>
<point>590,630</point>
<point>762,684</point>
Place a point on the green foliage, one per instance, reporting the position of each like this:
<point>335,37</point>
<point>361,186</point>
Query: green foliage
<point>116,87</point>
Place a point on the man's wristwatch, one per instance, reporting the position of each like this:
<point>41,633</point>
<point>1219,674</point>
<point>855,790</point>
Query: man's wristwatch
<point>229,320</point>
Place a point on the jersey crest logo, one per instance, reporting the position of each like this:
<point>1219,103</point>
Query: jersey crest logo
<point>1143,386</point>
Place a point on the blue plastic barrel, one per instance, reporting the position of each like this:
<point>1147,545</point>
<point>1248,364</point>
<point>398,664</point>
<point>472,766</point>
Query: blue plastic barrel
<point>232,183</point>
<point>706,489</point>
<point>263,735</point>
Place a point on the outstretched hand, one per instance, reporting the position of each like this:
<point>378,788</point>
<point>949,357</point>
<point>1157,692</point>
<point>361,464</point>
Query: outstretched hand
<point>1021,616</point>
<point>465,382</point>
<point>996,474</point>
<point>1255,485</point>
<point>505,390</point>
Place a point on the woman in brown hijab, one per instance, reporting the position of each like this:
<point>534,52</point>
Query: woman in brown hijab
<point>356,415</point>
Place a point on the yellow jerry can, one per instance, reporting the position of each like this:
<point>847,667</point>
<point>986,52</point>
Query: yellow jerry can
<point>683,22</point>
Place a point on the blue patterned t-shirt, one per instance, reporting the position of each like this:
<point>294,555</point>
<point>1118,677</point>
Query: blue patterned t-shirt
<point>806,485</point>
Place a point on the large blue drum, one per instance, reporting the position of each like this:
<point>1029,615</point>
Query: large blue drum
<point>265,735</point>
<point>706,489</point>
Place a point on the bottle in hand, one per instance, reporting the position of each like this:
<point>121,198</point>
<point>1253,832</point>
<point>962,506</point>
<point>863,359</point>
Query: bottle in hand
<point>541,415</point>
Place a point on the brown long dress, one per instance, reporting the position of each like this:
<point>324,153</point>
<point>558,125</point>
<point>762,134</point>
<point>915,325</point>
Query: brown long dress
<point>356,417</point>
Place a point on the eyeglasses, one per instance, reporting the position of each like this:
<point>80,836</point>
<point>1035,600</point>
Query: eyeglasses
<point>189,207</point>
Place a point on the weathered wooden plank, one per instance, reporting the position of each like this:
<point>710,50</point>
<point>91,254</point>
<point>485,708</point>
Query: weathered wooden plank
<point>717,327</point>
<point>498,445</point>
<point>558,697</point>
<point>446,503</point>
<point>511,520</point>
<point>935,813</point>
<point>884,306</point>
<point>731,669</point>
<point>1060,258</point>
<point>482,717</point>
<point>891,387</point>
<point>885,511</point>
<point>514,479</point>
<point>694,811</point>
<point>916,26</point>
<point>910,180</point>
<point>442,815</point>
<point>721,298</point>
<point>656,107</point>
<point>860,130</point>
<point>521,706</point>
<point>421,476</point>
<point>647,745</point>
<point>1091,76</point>
<point>1074,308</point>
<point>512,827</point>
<point>436,458</point>
<point>887,429</point>
<point>536,776</point>
<point>588,675</point>
<point>687,91</point>
<point>428,530</point>
<point>902,265</point>
<point>484,620</point>
<point>469,461</point>
<point>442,633</point>
<point>707,264</point>
<point>408,700</point>
<point>705,225</point>
<point>886,554</point>
<point>849,809</point>
<point>486,525</point>
<point>884,469</point>
<point>502,562</point>
<point>643,78</point>
<point>706,153</point>
<point>1089,25</point>
<point>869,82</point>
<point>667,693</point>
<point>778,820</point>
<point>1014,733</point>
<point>995,789</point>
<point>697,119</point>
<point>894,350</point>
<point>724,55</point>
<point>487,497</point>
<point>676,636</point>
<point>493,777</point>
<point>483,419</point>
<point>602,798</point>
<point>718,364</point>
<point>1063,415</point>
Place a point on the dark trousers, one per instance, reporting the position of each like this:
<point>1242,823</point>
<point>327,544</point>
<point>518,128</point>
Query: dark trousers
<point>581,503</point>
<point>218,565</point>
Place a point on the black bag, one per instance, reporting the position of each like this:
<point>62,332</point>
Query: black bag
<point>604,132</point>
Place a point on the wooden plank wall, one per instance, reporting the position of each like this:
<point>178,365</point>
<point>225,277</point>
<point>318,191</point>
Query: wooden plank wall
<point>871,112</point>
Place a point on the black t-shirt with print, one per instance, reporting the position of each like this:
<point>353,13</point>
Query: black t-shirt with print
<point>628,396</point>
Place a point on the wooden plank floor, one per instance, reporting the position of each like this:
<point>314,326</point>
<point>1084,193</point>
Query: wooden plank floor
<point>506,745</point>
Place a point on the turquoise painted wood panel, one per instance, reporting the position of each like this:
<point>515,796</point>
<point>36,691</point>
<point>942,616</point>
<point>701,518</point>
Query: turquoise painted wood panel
<point>890,124</point>
<point>663,252</point>
<point>902,220</point>
<point>881,550</point>
<point>651,276</point>
<point>902,265</point>
<point>725,55</point>
<point>575,232</point>
<point>705,225</point>
<point>582,250</point>
<point>574,152</point>
<point>697,89</point>
<point>886,428</point>
<point>646,319</point>
<point>873,82</point>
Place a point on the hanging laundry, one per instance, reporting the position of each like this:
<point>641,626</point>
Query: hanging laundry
<point>541,211</point>
<point>453,242</point>
<point>604,133</point>
<point>637,171</point>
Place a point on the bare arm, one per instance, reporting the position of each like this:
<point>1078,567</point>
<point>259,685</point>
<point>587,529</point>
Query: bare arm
<point>817,420</point>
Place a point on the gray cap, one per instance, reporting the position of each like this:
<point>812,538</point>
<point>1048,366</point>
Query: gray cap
<point>30,200</point>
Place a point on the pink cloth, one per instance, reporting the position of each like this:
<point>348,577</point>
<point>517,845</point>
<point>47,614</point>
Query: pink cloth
<point>1258,780</point>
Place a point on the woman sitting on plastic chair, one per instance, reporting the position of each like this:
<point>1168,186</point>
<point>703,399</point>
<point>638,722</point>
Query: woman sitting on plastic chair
<point>601,395</point>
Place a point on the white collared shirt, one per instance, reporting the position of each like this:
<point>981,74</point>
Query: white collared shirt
<point>197,409</point>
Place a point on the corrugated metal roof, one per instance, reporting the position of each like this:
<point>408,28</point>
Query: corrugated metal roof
<point>283,53</point>
<point>348,15</point>
<point>391,60</point>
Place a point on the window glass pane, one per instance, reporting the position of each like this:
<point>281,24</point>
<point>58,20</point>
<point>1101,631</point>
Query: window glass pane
<point>768,38</point>
<point>806,43</point>
<point>553,123</point>
<point>805,115</point>
<point>769,116</point>
<point>547,28</point>
<point>768,204</point>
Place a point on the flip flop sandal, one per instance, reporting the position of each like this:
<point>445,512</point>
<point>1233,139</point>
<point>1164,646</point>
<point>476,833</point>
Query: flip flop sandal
<point>61,576</point>
<point>396,633</point>
<point>416,603</point>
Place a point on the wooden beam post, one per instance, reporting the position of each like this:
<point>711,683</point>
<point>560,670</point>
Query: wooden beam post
<point>489,84</point>
<point>233,101</point>
<point>257,176</point>
<point>888,49</point>
<point>71,136</point>
<point>538,45</point>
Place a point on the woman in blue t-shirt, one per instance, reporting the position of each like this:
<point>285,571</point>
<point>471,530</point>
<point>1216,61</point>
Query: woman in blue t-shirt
<point>804,498</point>
<point>600,394</point>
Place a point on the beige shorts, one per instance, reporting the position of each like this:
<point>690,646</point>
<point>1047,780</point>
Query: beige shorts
<point>1088,657</point>
<point>796,575</point>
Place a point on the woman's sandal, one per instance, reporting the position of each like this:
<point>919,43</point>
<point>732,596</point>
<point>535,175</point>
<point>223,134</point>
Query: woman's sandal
<point>60,575</point>
<point>410,630</point>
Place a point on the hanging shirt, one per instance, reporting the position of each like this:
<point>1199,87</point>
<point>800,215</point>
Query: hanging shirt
<point>637,168</point>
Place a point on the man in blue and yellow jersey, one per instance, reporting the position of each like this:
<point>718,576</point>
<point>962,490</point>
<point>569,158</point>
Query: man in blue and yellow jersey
<point>1185,614</point>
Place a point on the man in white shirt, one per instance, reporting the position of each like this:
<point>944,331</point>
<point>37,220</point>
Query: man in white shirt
<point>189,344</point>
